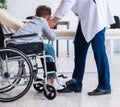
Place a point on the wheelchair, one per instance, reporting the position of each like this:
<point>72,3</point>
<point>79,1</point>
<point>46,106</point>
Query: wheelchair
<point>19,69</point>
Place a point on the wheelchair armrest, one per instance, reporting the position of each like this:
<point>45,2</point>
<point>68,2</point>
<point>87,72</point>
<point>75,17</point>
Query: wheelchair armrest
<point>24,36</point>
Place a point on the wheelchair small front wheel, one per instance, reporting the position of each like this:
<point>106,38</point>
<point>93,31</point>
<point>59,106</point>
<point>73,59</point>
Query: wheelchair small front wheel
<point>50,92</point>
<point>38,86</point>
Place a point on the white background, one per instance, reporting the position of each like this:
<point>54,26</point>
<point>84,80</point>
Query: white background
<point>24,8</point>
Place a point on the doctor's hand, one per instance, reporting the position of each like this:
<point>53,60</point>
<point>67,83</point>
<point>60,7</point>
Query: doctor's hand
<point>53,22</point>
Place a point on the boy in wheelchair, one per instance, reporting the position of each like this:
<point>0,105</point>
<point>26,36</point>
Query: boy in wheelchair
<point>39,25</point>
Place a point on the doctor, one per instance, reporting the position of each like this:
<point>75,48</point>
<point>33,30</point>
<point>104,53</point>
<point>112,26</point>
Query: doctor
<point>94,16</point>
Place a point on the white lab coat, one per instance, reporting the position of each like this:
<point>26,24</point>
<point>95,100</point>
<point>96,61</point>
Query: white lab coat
<point>92,16</point>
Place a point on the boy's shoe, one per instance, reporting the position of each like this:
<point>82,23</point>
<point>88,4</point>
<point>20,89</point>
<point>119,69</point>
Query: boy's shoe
<point>57,85</point>
<point>61,83</point>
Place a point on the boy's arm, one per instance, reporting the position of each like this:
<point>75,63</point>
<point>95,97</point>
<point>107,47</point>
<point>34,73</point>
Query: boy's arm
<point>48,33</point>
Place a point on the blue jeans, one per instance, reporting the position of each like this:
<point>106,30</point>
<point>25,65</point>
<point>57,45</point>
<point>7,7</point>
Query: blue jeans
<point>100,56</point>
<point>49,50</point>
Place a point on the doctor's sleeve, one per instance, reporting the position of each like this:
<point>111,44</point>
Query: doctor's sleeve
<point>64,7</point>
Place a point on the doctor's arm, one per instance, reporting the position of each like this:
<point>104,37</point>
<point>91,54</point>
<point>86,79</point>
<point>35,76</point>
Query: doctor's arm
<point>64,7</point>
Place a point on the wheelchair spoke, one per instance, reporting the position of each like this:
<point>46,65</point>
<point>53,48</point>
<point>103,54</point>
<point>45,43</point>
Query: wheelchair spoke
<point>16,77</point>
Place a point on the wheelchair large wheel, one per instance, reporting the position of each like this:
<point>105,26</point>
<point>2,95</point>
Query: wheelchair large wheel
<point>50,92</point>
<point>16,74</point>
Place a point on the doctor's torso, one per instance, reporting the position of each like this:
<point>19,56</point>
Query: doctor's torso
<point>94,15</point>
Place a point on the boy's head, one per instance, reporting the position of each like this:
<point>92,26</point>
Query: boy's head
<point>43,11</point>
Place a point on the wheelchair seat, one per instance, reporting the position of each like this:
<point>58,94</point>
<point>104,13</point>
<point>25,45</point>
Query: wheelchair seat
<point>28,48</point>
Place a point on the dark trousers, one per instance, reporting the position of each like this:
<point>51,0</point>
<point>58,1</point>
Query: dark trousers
<point>100,56</point>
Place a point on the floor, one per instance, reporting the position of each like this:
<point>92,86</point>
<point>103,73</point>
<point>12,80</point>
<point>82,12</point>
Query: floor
<point>65,65</point>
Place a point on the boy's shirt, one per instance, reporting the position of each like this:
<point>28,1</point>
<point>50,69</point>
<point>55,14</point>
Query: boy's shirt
<point>37,25</point>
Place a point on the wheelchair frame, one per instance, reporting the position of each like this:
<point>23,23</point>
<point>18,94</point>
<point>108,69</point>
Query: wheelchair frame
<point>31,62</point>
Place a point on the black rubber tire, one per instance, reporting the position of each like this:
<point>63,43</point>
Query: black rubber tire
<point>38,86</point>
<point>29,82</point>
<point>51,92</point>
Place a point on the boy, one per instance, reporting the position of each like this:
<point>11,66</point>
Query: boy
<point>38,24</point>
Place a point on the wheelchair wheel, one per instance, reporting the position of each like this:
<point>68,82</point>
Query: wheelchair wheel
<point>16,74</point>
<point>50,92</point>
<point>38,86</point>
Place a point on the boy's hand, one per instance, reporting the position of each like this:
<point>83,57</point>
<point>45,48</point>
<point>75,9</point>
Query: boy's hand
<point>53,22</point>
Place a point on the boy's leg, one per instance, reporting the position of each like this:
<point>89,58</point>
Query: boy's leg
<point>50,63</point>
<point>51,68</point>
<point>49,50</point>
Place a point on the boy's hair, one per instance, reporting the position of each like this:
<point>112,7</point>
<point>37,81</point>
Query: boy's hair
<point>43,11</point>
